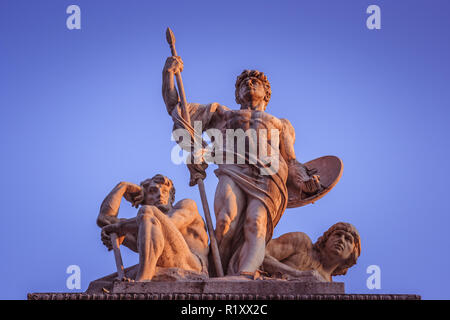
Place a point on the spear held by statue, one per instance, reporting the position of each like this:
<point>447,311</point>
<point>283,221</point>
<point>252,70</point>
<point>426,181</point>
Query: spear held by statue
<point>184,120</point>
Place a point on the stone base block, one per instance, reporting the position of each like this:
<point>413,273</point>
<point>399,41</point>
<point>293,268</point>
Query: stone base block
<point>222,286</point>
<point>218,297</point>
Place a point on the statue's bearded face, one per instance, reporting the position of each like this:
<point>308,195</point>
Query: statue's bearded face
<point>251,91</point>
<point>340,245</point>
<point>159,195</point>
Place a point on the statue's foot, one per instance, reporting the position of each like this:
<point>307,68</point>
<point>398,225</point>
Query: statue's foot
<point>258,274</point>
<point>247,275</point>
<point>126,279</point>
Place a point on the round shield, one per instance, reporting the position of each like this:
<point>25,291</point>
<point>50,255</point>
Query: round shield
<point>328,168</point>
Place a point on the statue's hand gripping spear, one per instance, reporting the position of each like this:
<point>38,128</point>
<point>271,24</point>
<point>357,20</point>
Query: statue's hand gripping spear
<point>186,121</point>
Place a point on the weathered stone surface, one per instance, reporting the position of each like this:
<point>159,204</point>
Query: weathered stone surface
<point>176,274</point>
<point>105,284</point>
<point>218,296</point>
<point>226,286</point>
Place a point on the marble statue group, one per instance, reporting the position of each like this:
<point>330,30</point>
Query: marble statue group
<point>250,199</point>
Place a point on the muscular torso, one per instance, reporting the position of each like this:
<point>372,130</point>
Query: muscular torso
<point>259,123</point>
<point>247,119</point>
<point>194,232</point>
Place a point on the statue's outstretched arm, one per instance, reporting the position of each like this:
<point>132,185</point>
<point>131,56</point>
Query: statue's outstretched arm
<point>282,253</point>
<point>275,267</point>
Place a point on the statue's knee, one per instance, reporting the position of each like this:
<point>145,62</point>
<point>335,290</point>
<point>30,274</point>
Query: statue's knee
<point>148,209</point>
<point>256,224</point>
<point>147,214</point>
<point>223,221</point>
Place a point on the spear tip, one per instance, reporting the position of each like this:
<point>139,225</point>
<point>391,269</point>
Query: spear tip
<point>170,36</point>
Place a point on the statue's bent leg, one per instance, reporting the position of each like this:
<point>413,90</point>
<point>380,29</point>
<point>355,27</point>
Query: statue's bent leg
<point>252,253</point>
<point>161,245</point>
<point>150,242</point>
<point>229,203</point>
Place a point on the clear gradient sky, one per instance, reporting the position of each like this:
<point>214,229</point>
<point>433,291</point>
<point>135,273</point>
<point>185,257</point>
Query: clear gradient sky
<point>82,110</point>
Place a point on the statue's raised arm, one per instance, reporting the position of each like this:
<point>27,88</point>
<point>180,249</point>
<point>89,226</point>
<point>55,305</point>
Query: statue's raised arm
<point>169,91</point>
<point>208,114</point>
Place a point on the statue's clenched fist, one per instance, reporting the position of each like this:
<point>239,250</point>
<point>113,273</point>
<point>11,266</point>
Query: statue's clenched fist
<point>312,185</point>
<point>302,179</point>
<point>174,64</point>
<point>106,235</point>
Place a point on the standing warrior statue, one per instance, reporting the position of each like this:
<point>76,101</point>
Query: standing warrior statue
<point>247,205</point>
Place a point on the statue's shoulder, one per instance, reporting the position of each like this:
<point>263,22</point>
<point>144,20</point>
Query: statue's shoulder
<point>187,204</point>
<point>287,127</point>
<point>214,106</point>
<point>286,123</point>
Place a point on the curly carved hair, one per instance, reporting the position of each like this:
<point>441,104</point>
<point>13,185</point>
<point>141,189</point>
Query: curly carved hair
<point>253,74</point>
<point>160,179</point>
<point>351,261</point>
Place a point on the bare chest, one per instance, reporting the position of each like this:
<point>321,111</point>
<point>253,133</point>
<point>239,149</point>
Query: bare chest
<point>247,119</point>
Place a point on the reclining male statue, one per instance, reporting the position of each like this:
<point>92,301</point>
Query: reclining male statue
<point>333,254</point>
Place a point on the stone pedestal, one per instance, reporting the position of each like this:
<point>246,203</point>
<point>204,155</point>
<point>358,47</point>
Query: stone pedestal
<point>229,287</point>
<point>171,287</point>
<point>175,282</point>
<point>218,297</point>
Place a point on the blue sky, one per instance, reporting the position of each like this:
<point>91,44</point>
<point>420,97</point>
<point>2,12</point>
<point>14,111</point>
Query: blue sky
<point>82,110</point>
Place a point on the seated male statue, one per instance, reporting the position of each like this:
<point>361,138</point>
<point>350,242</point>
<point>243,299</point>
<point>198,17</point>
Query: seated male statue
<point>164,235</point>
<point>333,254</point>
